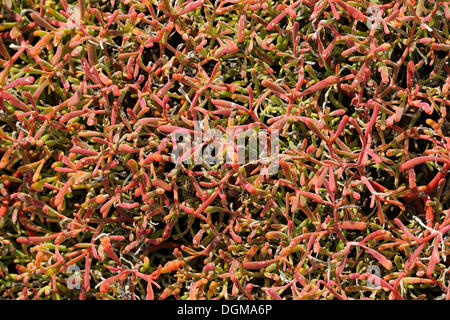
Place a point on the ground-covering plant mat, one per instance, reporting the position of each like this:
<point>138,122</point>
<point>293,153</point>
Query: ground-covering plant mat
<point>353,204</point>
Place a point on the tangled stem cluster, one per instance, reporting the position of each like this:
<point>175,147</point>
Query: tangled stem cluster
<point>90,92</point>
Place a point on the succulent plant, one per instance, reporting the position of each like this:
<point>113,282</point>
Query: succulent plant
<point>93,205</point>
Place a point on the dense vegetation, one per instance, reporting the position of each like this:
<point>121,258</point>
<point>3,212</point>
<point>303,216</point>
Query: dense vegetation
<point>94,207</point>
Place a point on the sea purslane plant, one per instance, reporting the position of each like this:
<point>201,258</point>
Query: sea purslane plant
<point>93,205</point>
